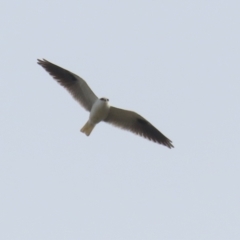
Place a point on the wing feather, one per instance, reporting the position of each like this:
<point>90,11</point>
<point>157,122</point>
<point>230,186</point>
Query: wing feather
<point>73,83</point>
<point>135,123</point>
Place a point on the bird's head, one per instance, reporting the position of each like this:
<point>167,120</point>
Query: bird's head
<point>104,99</point>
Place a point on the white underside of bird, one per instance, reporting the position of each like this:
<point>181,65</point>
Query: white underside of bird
<point>99,112</point>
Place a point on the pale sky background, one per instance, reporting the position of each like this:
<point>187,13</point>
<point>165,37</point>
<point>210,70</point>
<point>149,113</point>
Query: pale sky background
<point>174,62</point>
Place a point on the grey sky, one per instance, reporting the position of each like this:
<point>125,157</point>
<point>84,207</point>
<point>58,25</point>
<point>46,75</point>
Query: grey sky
<point>174,62</point>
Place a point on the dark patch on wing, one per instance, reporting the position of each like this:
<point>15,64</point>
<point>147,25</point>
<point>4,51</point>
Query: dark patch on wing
<point>141,121</point>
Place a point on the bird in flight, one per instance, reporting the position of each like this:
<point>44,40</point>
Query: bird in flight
<point>99,108</point>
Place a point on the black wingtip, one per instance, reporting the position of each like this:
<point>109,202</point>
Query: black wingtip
<point>169,144</point>
<point>42,62</point>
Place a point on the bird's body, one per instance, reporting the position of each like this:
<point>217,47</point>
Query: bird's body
<point>99,112</point>
<point>99,108</point>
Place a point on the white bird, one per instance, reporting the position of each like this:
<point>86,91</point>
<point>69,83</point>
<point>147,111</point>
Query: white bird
<point>99,108</point>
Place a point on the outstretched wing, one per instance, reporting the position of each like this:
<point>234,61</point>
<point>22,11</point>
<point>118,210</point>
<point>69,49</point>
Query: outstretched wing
<point>135,123</point>
<point>73,83</point>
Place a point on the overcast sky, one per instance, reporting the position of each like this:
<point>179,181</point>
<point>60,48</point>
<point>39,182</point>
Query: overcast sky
<point>174,62</point>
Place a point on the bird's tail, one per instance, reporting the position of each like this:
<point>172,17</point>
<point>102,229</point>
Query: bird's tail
<point>87,128</point>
